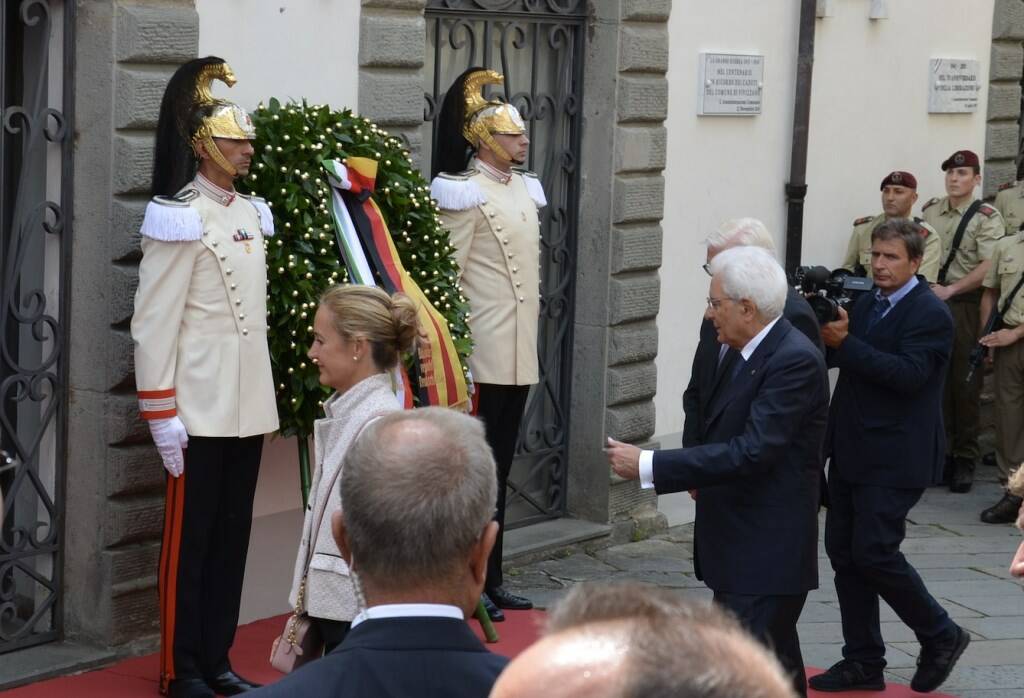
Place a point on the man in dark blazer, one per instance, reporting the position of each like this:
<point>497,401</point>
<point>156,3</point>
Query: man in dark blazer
<point>418,490</point>
<point>759,460</point>
<point>887,444</point>
<point>708,374</point>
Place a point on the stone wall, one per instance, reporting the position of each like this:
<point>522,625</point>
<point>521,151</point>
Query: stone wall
<point>125,53</point>
<point>1002,137</point>
<point>618,288</point>
<point>392,44</point>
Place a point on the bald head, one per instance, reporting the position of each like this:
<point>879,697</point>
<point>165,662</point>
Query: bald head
<point>636,641</point>
<point>586,662</point>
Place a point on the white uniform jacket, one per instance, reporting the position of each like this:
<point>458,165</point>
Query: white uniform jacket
<point>495,231</point>
<point>200,322</point>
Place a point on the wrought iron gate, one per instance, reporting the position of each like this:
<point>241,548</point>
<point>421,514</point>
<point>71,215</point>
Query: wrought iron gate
<point>35,196</point>
<point>538,46</point>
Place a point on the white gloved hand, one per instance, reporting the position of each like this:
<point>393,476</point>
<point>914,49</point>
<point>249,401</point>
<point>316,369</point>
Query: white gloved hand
<point>170,438</point>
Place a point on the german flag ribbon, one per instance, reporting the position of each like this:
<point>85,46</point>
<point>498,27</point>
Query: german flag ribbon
<point>371,258</point>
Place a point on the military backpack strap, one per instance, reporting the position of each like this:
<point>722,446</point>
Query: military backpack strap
<point>958,238</point>
<point>1009,298</point>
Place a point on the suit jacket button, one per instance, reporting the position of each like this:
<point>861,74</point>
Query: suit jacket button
<point>245,331</point>
<point>228,272</point>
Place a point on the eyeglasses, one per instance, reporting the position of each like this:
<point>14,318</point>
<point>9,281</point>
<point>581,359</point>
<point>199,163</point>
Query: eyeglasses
<point>714,303</point>
<point>707,268</point>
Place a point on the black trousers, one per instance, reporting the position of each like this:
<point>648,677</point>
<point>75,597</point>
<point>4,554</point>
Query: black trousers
<point>332,632</point>
<point>207,517</point>
<point>501,409</point>
<point>864,528</point>
<point>772,619</point>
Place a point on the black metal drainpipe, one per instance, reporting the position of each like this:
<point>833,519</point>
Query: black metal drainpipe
<point>796,188</point>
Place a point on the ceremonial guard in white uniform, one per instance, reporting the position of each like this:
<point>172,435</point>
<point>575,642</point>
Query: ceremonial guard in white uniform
<point>490,208</point>
<point>202,370</point>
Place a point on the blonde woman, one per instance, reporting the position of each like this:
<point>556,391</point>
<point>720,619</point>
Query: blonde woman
<point>358,334</point>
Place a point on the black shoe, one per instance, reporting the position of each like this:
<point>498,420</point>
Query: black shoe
<point>508,600</point>
<point>189,688</point>
<point>934,664</point>
<point>231,684</point>
<point>848,675</point>
<point>1003,511</point>
<point>963,475</point>
<point>989,459</point>
<point>493,611</point>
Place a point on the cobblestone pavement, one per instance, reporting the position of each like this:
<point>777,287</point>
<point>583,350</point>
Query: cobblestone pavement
<point>963,561</point>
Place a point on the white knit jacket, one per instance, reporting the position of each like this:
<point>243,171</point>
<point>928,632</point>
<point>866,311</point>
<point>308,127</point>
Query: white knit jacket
<point>329,591</point>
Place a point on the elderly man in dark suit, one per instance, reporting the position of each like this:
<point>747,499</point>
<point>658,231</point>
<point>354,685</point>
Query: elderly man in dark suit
<point>759,460</point>
<point>887,444</point>
<point>713,362</point>
<point>418,489</point>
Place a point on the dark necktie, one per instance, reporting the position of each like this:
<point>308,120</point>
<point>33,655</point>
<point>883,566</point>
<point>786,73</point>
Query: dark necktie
<point>877,311</point>
<point>740,363</point>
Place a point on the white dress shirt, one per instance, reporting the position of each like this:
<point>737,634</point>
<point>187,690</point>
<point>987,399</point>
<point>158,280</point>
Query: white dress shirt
<point>647,457</point>
<point>408,610</point>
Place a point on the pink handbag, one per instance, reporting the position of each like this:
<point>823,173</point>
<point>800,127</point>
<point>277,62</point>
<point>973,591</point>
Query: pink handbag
<point>300,642</point>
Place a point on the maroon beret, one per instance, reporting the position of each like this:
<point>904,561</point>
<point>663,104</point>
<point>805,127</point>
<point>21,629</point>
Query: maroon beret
<point>898,178</point>
<point>962,158</point>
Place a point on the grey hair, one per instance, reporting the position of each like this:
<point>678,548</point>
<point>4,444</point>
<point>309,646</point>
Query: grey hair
<point>752,273</point>
<point>741,232</point>
<point>676,647</point>
<point>418,487</point>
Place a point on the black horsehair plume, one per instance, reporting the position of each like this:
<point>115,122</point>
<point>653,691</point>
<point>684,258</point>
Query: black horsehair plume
<point>451,149</point>
<point>174,161</point>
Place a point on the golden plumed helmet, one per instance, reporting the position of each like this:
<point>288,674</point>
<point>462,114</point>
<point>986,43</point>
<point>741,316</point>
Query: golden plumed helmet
<point>485,118</point>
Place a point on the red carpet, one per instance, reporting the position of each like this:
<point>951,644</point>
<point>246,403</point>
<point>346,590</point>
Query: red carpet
<point>138,676</point>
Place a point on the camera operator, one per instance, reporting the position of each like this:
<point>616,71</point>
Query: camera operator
<point>1003,292</point>
<point>969,230</point>
<point>886,444</point>
<point>899,194</point>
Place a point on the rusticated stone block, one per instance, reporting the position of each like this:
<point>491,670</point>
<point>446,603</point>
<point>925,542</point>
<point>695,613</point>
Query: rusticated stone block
<point>640,148</point>
<point>996,173</point>
<point>634,297</point>
<point>133,521</point>
<point>126,216</point>
<point>134,614</point>
<point>163,34</point>
<point>638,199</point>
<point>1008,20</point>
<point>1001,140</point>
<point>391,40</point>
<point>121,360</point>
<point>139,91</point>
<point>642,98</point>
<point>631,422</point>
<point>633,342</point>
<point>1007,60</point>
<point>643,48</point>
<point>396,4</point>
<point>391,98</point>
<point>632,382</point>
<point>133,164</point>
<point>646,10</point>
<point>1004,101</point>
<point>134,470</point>
<point>132,564</point>
<point>124,425</point>
<point>636,249</point>
<point>124,281</point>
